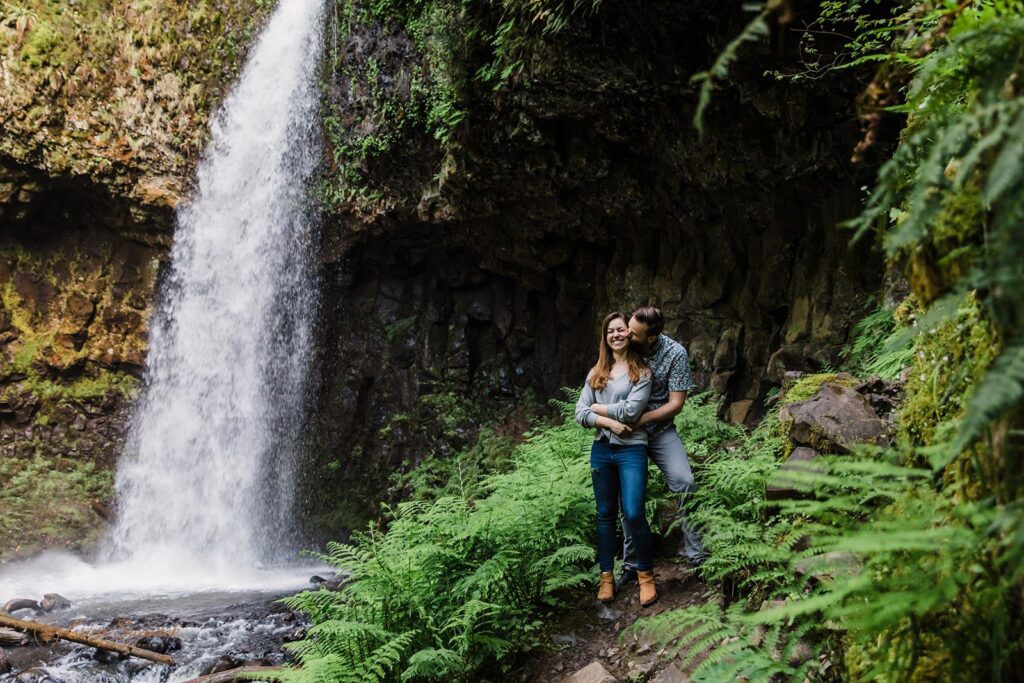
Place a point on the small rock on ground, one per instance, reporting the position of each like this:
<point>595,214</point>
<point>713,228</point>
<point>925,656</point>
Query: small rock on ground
<point>591,673</point>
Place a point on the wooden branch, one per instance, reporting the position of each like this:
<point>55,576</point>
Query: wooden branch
<point>48,632</point>
<point>231,675</point>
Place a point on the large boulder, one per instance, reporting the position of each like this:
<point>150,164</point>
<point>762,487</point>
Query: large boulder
<point>833,420</point>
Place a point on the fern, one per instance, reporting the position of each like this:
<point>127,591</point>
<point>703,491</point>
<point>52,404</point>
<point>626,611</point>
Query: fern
<point>456,584</point>
<point>755,30</point>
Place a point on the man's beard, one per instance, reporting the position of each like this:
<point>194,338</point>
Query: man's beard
<point>642,347</point>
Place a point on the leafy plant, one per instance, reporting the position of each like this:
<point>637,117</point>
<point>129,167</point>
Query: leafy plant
<point>457,583</point>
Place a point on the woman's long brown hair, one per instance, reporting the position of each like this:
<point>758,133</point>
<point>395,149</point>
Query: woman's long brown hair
<point>606,359</point>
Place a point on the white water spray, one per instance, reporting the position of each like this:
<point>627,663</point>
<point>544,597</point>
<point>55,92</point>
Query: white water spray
<point>205,484</point>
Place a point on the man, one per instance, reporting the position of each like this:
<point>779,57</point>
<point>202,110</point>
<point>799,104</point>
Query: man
<point>670,366</point>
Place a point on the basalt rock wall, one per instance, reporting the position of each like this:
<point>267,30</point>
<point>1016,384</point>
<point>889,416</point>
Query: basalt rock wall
<point>466,278</point>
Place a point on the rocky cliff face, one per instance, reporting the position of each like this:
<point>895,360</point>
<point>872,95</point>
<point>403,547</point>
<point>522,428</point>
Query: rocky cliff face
<point>104,109</point>
<point>463,276</point>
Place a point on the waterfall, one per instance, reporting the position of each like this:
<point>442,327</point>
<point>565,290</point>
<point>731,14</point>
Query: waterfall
<point>205,482</point>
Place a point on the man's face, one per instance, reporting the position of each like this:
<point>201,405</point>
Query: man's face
<point>638,335</point>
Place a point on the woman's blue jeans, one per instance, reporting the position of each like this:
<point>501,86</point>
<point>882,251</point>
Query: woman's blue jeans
<point>621,472</point>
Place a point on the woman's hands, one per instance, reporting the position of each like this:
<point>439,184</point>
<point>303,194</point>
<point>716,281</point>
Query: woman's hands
<point>620,428</point>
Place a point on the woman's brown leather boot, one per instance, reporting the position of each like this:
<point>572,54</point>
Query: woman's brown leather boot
<point>606,592</point>
<point>648,593</point>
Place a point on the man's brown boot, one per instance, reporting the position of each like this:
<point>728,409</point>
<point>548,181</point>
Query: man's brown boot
<point>648,593</point>
<point>606,593</point>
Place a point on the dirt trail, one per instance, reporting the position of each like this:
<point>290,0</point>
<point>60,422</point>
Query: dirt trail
<point>590,632</point>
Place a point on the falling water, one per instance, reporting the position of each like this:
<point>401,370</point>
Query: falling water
<point>205,483</point>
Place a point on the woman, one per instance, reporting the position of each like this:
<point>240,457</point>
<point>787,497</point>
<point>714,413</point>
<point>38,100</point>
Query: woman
<point>614,396</point>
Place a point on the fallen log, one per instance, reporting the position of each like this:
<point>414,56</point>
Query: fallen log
<point>231,675</point>
<point>48,632</point>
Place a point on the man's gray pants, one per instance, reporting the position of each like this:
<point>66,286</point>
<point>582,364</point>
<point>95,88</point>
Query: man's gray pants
<point>669,454</point>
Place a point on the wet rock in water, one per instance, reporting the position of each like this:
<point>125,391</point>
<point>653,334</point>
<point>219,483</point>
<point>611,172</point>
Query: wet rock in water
<point>107,657</point>
<point>261,661</point>
<point>52,601</point>
<point>159,644</point>
<point>17,604</point>
<point>37,676</point>
<point>331,584</point>
<point>295,634</point>
<point>5,664</point>
<point>225,663</point>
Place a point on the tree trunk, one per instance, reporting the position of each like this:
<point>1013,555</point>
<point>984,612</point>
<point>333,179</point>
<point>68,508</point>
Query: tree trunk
<point>48,632</point>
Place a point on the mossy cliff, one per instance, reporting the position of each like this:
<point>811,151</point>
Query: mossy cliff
<point>118,91</point>
<point>104,108</point>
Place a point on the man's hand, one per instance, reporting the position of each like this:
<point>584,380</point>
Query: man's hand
<point>676,399</point>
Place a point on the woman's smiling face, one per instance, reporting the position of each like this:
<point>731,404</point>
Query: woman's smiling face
<point>617,334</point>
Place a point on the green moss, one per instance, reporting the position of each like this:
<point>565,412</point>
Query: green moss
<point>949,361</point>
<point>83,388</point>
<point>28,353</point>
<point>399,329</point>
<point>809,385</point>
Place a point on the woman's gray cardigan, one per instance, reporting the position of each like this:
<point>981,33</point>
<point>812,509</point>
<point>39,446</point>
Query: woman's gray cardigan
<point>626,402</point>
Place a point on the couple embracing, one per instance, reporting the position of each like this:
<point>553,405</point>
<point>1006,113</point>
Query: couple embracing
<point>630,398</point>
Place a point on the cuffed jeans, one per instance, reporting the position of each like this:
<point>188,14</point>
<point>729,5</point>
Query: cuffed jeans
<point>621,472</point>
<point>669,454</point>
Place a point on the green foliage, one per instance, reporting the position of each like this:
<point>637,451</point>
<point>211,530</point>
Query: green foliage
<point>755,30</point>
<point>880,346</point>
<point>46,503</point>
<point>726,648</point>
<point>871,551</point>
<point>457,583</point>
<point>462,45</point>
<point>461,475</point>
<point>523,24</point>
<point>699,423</point>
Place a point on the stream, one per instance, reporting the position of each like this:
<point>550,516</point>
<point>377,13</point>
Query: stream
<point>209,623</point>
<point>221,622</point>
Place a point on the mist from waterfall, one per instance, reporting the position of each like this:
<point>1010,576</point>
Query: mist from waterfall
<point>205,485</point>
